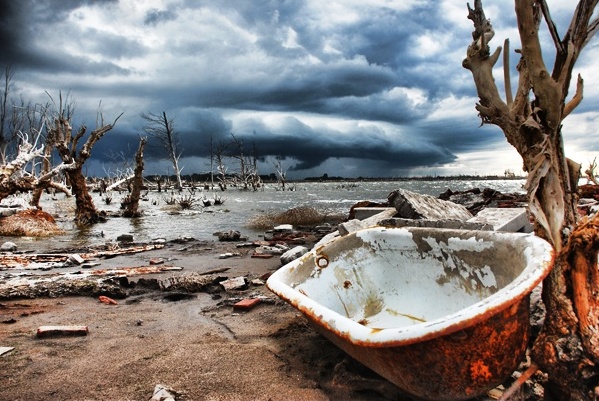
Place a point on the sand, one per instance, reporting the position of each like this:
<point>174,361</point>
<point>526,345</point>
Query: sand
<point>195,343</point>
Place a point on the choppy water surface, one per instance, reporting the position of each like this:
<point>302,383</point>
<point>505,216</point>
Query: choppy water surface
<point>163,221</point>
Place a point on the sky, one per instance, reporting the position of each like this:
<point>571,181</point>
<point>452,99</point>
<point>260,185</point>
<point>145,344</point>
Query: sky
<point>346,88</point>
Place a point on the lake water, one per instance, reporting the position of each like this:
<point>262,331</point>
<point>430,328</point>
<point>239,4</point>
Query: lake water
<point>161,220</point>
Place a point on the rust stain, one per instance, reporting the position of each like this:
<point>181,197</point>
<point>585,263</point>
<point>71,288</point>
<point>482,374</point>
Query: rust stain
<point>412,317</point>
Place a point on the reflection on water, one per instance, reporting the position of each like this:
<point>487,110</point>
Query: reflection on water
<point>160,220</point>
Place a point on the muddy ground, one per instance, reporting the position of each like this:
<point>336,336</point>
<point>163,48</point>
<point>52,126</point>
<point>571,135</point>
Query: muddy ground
<point>192,342</point>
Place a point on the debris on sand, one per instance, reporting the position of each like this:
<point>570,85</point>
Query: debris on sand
<point>51,331</point>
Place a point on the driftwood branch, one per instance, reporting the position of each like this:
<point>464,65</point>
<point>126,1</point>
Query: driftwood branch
<point>506,73</point>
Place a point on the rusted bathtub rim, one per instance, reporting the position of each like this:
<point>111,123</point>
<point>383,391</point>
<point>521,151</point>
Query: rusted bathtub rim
<point>538,267</point>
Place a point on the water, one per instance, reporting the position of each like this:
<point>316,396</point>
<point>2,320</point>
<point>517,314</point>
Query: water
<point>160,220</point>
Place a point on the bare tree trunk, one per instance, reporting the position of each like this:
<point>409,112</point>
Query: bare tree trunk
<point>162,128</point>
<point>61,136</point>
<point>567,348</point>
<point>138,180</point>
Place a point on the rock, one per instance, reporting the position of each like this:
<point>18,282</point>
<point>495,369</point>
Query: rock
<point>453,224</point>
<point>410,205</point>
<point>76,259</point>
<point>48,331</point>
<point>237,283</point>
<point>164,393</point>
<point>8,247</point>
<point>231,235</point>
<point>362,213</point>
<point>283,228</point>
<point>228,255</point>
<point>355,225</point>
<point>293,254</point>
<point>505,219</point>
<point>125,238</point>
<point>271,250</point>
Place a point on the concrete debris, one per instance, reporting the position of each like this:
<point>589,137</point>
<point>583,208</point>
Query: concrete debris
<point>237,283</point>
<point>8,247</point>
<point>505,219</point>
<point>293,254</point>
<point>283,228</point>
<point>76,259</point>
<point>51,331</point>
<point>164,393</point>
<point>411,205</point>
<point>452,224</point>
<point>229,255</point>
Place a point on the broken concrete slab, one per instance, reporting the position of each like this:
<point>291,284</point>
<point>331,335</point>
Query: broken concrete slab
<point>410,205</point>
<point>452,224</point>
<point>362,213</point>
<point>293,254</point>
<point>355,224</point>
<point>505,219</point>
<point>237,283</point>
<point>76,259</point>
<point>50,331</point>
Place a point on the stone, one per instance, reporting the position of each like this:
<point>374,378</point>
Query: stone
<point>228,255</point>
<point>283,228</point>
<point>355,224</point>
<point>410,205</point>
<point>8,247</point>
<point>125,238</point>
<point>231,235</point>
<point>237,283</point>
<point>362,213</point>
<point>293,254</point>
<point>504,219</point>
<point>452,224</point>
<point>76,259</point>
<point>49,331</point>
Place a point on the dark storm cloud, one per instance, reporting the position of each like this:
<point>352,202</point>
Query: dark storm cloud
<point>19,27</point>
<point>267,71</point>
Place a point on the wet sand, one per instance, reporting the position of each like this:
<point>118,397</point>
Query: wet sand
<point>195,343</point>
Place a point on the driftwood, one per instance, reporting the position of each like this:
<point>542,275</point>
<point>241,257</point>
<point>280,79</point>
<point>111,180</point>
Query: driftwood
<point>49,260</point>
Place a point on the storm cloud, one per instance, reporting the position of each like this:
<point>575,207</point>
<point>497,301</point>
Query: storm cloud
<point>361,88</point>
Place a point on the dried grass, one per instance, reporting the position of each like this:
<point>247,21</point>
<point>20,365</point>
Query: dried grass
<point>297,216</point>
<point>29,223</point>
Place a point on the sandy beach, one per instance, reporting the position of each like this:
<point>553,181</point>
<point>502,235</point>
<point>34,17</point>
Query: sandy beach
<point>196,343</point>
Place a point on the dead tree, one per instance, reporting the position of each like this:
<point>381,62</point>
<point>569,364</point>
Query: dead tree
<point>138,179</point>
<point>162,128</point>
<point>281,172</point>
<point>567,348</point>
<point>221,167</point>
<point>14,178</point>
<point>590,172</point>
<point>66,141</point>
